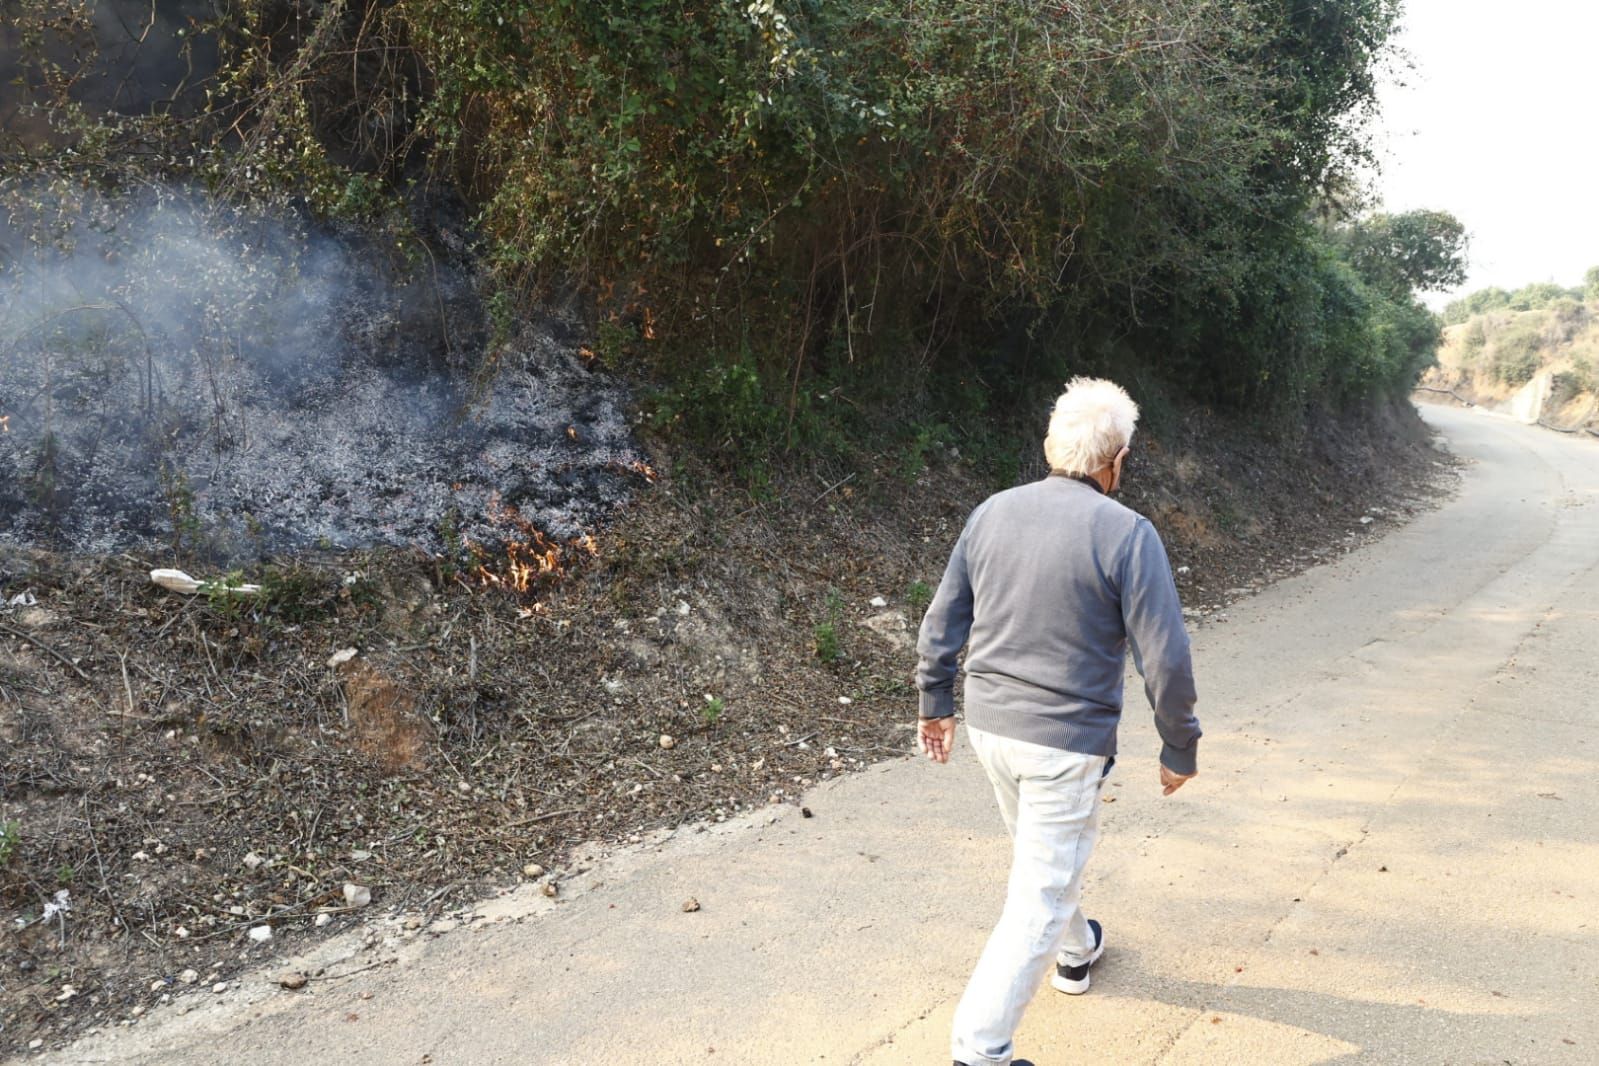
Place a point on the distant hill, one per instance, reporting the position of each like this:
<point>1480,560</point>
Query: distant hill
<point>1532,353</point>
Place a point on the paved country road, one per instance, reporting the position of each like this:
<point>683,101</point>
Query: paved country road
<point>1391,856</point>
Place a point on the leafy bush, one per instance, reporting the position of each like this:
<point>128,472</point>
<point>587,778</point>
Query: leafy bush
<point>1514,358</point>
<point>828,648</point>
<point>1585,374</point>
<point>1566,318</point>
<point>890,183</point>
<point>1480,302</point>
<point>1538,295</point>
<point>946,198</point>
<point>1564,387</point>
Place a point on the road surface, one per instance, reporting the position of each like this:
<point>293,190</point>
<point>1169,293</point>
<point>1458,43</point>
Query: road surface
<point>1391,856</point>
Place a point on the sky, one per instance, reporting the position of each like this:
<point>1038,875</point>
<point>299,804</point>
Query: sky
<point>1495,124</point>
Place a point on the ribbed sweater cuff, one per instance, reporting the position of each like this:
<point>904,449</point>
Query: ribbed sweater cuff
<point>1180,760</point>
<point>937,703</point>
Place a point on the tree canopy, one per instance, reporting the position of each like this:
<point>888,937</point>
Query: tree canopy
<point>1534,296</point>
<point>920,198</point>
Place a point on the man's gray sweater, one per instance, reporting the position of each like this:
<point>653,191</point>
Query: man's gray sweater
<point>1051,582</point>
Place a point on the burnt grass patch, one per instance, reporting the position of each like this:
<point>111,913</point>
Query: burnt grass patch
<point>187,769</point>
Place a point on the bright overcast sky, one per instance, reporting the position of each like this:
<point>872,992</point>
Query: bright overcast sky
<point>1495,125</point>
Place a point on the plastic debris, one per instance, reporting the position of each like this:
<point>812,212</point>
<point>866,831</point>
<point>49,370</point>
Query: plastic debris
<point>178,581</point>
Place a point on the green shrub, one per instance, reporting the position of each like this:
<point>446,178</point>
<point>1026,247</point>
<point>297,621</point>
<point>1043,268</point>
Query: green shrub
<point>723,403</point>
<point>944,197</point>
<point>826,634</point>
<point>787,189</point>
<point>827,645</point>
<point>1564,387</point>
<point>1537,295</point>
<point>1480,302</point>
<point>923,441</point>
<point>1516,353</point>
<point>1568,310</point>
<point>1585,373</point>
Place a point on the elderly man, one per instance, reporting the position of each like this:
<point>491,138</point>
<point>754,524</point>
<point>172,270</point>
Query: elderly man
<point>1050,583</point>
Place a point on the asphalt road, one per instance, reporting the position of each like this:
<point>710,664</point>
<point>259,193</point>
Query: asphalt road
<point>1391,856</point>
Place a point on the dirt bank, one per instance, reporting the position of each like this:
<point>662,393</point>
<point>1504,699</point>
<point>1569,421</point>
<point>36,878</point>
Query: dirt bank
<point>1534,366</point>
<point>189,771</point>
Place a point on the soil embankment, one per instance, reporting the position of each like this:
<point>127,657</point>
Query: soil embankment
<point>192,771</point>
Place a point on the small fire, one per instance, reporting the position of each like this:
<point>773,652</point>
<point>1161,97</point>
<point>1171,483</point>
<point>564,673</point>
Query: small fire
<point>530,559</point>
<point>525,564</point>
<point>637,466</point>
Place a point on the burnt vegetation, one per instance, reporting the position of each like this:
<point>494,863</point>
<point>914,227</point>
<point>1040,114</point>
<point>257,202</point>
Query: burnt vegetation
<point>392,309</point>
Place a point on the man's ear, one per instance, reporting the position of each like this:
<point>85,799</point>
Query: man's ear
<point>1116,468</point>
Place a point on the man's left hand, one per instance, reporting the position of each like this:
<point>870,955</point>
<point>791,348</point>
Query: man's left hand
<point>937,737</point>
<point>1171,780</point>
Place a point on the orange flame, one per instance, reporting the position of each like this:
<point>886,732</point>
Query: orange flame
<point>530,559</point>
<point>637,466</point>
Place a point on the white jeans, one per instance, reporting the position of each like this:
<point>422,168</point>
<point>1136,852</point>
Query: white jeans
<point>1050,802</point>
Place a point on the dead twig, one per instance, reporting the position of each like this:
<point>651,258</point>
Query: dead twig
<point>835,485</point>
<point>42,646</point>
<point>105,881</point>
<point>359,969</point>
<point>546,816</point>
<point>127,687</point>
<point>209,800</point>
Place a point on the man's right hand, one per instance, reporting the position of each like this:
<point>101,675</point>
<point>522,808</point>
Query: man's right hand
<point>1171,782</point>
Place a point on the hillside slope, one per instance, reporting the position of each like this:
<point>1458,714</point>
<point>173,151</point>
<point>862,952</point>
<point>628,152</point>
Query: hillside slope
<point>1537,365</point>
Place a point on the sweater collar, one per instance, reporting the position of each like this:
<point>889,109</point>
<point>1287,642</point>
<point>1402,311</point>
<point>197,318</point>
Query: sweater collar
<point>1084,478</point>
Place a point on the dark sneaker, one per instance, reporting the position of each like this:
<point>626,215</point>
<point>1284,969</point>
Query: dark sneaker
<point>1073,980</point>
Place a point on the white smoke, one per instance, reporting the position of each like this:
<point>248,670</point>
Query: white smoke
<point>171,368</point>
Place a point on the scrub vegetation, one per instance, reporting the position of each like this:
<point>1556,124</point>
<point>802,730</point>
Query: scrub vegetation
<point>785,213</point>
<point>1542,336</point>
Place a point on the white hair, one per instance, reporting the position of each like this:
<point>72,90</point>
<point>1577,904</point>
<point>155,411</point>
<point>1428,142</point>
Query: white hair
<point>1092,421</point>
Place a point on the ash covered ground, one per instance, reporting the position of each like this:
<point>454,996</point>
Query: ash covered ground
<point>177,373</point>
